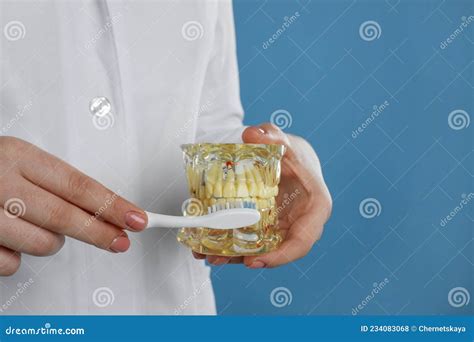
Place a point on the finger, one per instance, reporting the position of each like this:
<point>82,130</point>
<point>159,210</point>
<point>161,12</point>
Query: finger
<point>213,259</point>
<point>9,261</point>
<point>236,260</point>
<point>24,237</point>
<point>199,256</point>
<point>48,211</point>
<point>266,133</point>
<point>293,163</point>
<point>65,181</point>
<point>222,260</point>
<point>298,242</point>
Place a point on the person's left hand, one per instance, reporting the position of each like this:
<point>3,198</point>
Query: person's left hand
<point>301,219</point>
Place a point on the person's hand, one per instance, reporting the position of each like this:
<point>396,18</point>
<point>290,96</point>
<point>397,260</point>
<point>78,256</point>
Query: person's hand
<point>44,199</point>
<point>301,219</point>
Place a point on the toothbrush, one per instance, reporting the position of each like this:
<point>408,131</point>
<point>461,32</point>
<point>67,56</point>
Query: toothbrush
<point>230,216</point>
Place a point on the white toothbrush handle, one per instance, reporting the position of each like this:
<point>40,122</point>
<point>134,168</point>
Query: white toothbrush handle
<point>222,219</point>
<point>170,221</point>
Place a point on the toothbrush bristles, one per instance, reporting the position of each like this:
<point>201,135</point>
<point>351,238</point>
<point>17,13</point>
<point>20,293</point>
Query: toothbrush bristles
<point>231,204</point>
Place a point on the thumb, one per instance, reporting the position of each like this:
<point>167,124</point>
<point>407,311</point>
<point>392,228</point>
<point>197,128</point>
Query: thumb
<point>266,133</point>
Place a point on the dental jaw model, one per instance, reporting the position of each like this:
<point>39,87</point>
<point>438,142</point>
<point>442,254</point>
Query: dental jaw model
<point>233,175</point>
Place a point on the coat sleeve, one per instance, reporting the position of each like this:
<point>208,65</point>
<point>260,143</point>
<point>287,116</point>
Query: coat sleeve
<point>220,112</point>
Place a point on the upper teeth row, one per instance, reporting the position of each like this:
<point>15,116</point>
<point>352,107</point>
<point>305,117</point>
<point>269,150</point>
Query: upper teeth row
<point>220,181</point>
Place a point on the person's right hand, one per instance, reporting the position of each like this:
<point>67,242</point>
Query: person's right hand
<point>45,199</point>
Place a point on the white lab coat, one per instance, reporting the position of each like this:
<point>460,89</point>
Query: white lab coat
<point>169,71</point>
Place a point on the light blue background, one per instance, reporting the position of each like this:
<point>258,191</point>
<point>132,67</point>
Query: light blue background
<point>409,159</point>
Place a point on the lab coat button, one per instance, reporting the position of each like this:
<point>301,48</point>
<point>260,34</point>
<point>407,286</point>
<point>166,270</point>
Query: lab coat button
<point>100,106</point>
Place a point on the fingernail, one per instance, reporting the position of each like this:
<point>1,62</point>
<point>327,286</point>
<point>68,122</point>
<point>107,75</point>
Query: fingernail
<point>135,220</point>
<point>257,264</point>
<point>120,244</point>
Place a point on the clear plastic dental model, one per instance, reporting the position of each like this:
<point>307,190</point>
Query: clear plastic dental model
<point>233,176</point>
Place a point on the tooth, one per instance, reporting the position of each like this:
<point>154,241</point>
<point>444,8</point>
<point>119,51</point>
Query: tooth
<point>213,173</point>
<point>211,176</point>
<point>191,176</point>
<point>242,190</point>
<point>229,184</point>
<point>252,186</point>
<point>271,191</point>
<point>218,182</point>
<point>197,181</point>
<point>271,202</point>
<point>258,179</point>
<point>261,190</point>
<point>209,190</point>
<point>239,169</point>
<point>209,183</point>
<point>266,191</point>
<point>218,188</point>
<point>249,200</point>
<point>221,203</point>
